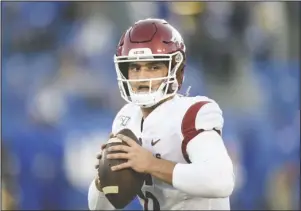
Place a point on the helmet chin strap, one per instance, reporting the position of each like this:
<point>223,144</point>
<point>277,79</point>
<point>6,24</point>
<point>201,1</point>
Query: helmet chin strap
<point>157,96</point>
<point>147,99</point>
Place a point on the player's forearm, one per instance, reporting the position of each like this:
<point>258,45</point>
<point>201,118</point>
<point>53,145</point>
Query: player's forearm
<point>162,169</point>
<point>199,180</point>
<point>195,179</point>
<point>97,199</point>
<point>210,174</point>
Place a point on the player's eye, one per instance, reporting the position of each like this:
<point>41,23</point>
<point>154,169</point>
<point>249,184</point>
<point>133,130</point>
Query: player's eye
<point>134,68</point>
<point>156,67</point>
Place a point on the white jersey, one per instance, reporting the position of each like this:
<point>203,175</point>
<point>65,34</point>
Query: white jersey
<point>162,133</point>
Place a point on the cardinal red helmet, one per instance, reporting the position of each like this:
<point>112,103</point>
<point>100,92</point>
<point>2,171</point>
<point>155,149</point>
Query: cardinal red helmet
<point>150,40</point>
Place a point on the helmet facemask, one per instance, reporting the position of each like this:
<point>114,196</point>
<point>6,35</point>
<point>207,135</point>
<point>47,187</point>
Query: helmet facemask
<point>168,87</point>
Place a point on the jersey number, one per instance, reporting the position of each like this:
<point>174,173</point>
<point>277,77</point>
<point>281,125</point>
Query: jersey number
<point>149,195</point>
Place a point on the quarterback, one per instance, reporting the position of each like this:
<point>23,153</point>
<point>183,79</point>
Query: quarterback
<point>182,147</point>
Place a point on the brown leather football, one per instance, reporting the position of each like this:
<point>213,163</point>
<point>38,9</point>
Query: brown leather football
<point>120,187</point>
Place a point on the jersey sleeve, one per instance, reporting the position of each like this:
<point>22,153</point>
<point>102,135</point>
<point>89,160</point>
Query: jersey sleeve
<point>115,126</point>
<point>201,116</point>
<point>121,119</point>
<point>210,173</point>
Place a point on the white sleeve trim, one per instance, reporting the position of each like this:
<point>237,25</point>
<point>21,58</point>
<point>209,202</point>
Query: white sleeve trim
<point>210,175</point>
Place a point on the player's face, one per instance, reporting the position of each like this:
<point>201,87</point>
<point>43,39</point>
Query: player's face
<point>146,70</point>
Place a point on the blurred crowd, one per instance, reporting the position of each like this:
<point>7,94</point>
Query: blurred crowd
<point>59,93</point>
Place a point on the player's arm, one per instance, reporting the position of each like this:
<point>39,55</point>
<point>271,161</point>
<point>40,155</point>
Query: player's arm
<point>210,171</point>
<point>96,198</point>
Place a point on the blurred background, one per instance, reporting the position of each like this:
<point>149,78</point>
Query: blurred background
<point>59,93</point>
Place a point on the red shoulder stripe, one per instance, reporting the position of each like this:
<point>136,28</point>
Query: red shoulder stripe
<point>188,126</point>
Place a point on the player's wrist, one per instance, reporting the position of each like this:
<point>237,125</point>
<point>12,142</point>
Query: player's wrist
<point>97,184</point>
<point>152,165</point>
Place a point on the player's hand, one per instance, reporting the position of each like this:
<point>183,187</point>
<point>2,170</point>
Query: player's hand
<point>98,157</point>
<point>97,180</point>
<point>138,158</point>
<point>99,154</point>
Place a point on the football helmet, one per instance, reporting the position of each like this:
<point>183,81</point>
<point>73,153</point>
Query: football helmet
<point>150,40</point>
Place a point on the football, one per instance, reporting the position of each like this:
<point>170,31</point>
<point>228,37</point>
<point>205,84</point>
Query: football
<point>120,187</point>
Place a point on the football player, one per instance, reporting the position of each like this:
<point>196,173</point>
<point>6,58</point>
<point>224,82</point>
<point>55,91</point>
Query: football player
<point>182,147</point>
